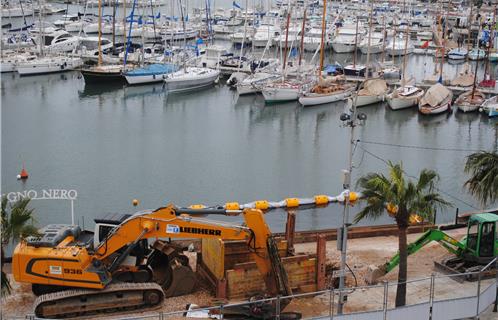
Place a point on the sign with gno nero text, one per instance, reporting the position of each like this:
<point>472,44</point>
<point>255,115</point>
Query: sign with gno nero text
<point>45,194</point>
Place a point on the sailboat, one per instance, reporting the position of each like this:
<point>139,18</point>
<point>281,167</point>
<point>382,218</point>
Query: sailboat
<point>106,73</point>
<point>405,96</point>
<point>436,100</point>
<point>374,90</point>
<point>356,70</point>
<point>149,74</point>
<point>284,89</point>
<point>470,100</point>
<point>46,64</point>
<point>190,78</point>
<point>330,89</point>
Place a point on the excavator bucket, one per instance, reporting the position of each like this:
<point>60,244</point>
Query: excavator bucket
<point>374,273</point>
<point>171,269</point>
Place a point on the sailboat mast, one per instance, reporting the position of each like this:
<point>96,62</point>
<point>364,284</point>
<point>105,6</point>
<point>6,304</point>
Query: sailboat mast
<point>40,31</point>
<point>113,25</point>
<point>124,22</point>
<point>99,63</point>
<point>490,42</point>
<point>301,50</point>
<point>369,39</point>
<point>244,38</point>
<point>405,54</point>
<point>322,43</point>
<point>444,43</point>
<point>384,36</point>
<point>286,38</point>
<point>355,43</point>
<point>469,31</point>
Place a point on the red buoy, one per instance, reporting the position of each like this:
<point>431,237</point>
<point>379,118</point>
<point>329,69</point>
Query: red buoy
<point>23,174</point>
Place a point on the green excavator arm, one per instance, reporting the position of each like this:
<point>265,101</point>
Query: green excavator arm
<point>449,243</point>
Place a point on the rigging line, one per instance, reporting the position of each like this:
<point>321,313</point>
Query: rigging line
<point>413,177</point>
<point>417,147</point>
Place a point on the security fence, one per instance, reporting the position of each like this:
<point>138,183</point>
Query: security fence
<point>438,297</point>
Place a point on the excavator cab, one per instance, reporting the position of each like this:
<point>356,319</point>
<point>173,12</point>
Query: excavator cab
<point>481,237</point>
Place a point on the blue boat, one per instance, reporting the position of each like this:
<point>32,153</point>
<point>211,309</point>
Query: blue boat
<point>150,74</point>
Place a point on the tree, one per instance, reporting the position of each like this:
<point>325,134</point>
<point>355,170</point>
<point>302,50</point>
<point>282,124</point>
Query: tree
<point>16,225</point>
<point>404,200</point>
<point>483,182</point>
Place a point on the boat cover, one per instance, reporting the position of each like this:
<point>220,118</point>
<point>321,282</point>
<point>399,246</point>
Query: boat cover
<point>463,80</point>
<point>435,95</point>
<point>153,69</point>
<point>373,87</point>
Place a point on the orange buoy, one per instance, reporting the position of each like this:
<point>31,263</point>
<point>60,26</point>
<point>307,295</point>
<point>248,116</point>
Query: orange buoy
<point>24,174</point>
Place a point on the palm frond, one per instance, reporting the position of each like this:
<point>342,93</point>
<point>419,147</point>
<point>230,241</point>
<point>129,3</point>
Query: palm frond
<point>483,182</point>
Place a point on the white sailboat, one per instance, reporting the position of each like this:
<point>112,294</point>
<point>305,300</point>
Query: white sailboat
<point>436,100</point>
<point>404,97</point>
<point>327,90</point>
<point>374,90</point>
<point>254,82</point>
<point>190,78</point>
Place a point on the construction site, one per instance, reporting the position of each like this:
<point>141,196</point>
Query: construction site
<point>223,264</point>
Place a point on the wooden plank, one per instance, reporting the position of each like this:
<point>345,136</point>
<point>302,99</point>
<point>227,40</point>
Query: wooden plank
<point>321,251</point>
<point>356,232</point>
<point>212,250</point>
<point>290,230</point>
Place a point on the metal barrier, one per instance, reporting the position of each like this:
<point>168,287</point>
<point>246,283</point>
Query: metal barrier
<point>438,297</point>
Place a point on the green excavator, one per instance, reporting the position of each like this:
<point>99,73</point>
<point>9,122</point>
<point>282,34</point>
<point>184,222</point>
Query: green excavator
<point>475,250</point>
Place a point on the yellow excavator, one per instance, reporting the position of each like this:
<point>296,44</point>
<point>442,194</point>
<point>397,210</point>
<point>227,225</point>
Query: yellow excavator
<point>81,273</point>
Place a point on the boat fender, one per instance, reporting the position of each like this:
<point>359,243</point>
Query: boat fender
<point>154,76</point>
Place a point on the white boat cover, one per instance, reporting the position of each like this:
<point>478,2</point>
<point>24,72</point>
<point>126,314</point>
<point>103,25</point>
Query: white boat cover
<point>373,87</point>
<point>435,95</point>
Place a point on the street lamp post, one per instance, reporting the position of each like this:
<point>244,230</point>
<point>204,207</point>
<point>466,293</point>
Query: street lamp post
<point>351,119</point>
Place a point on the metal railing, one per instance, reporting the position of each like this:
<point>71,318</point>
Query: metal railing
<point>435,297</point>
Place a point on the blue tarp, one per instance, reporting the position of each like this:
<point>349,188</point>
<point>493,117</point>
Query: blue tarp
<point>331,68</point>
<point>153,69</point>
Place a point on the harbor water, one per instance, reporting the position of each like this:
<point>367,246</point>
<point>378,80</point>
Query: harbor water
<point>115,144</point>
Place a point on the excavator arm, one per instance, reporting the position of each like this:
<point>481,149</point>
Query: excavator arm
<point>449,243</point>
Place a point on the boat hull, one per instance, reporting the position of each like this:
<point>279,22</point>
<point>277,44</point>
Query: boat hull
<point>275,95</point>
<point>34,68</point>
<point>102,77</point>
<point>179,84</point>
<point>152,78</point>
<point>313,99</point>
<point>399,102</point>
<point>370,99</point>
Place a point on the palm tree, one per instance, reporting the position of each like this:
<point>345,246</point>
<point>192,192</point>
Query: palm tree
<point>403,199</point>
<point>15,226</point>
<point>483,182</point>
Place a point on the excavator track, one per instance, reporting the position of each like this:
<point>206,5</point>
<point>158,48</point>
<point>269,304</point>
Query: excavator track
<point>83,302</point>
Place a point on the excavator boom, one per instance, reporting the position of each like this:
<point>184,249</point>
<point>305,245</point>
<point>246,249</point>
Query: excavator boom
<point>446,241</point>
